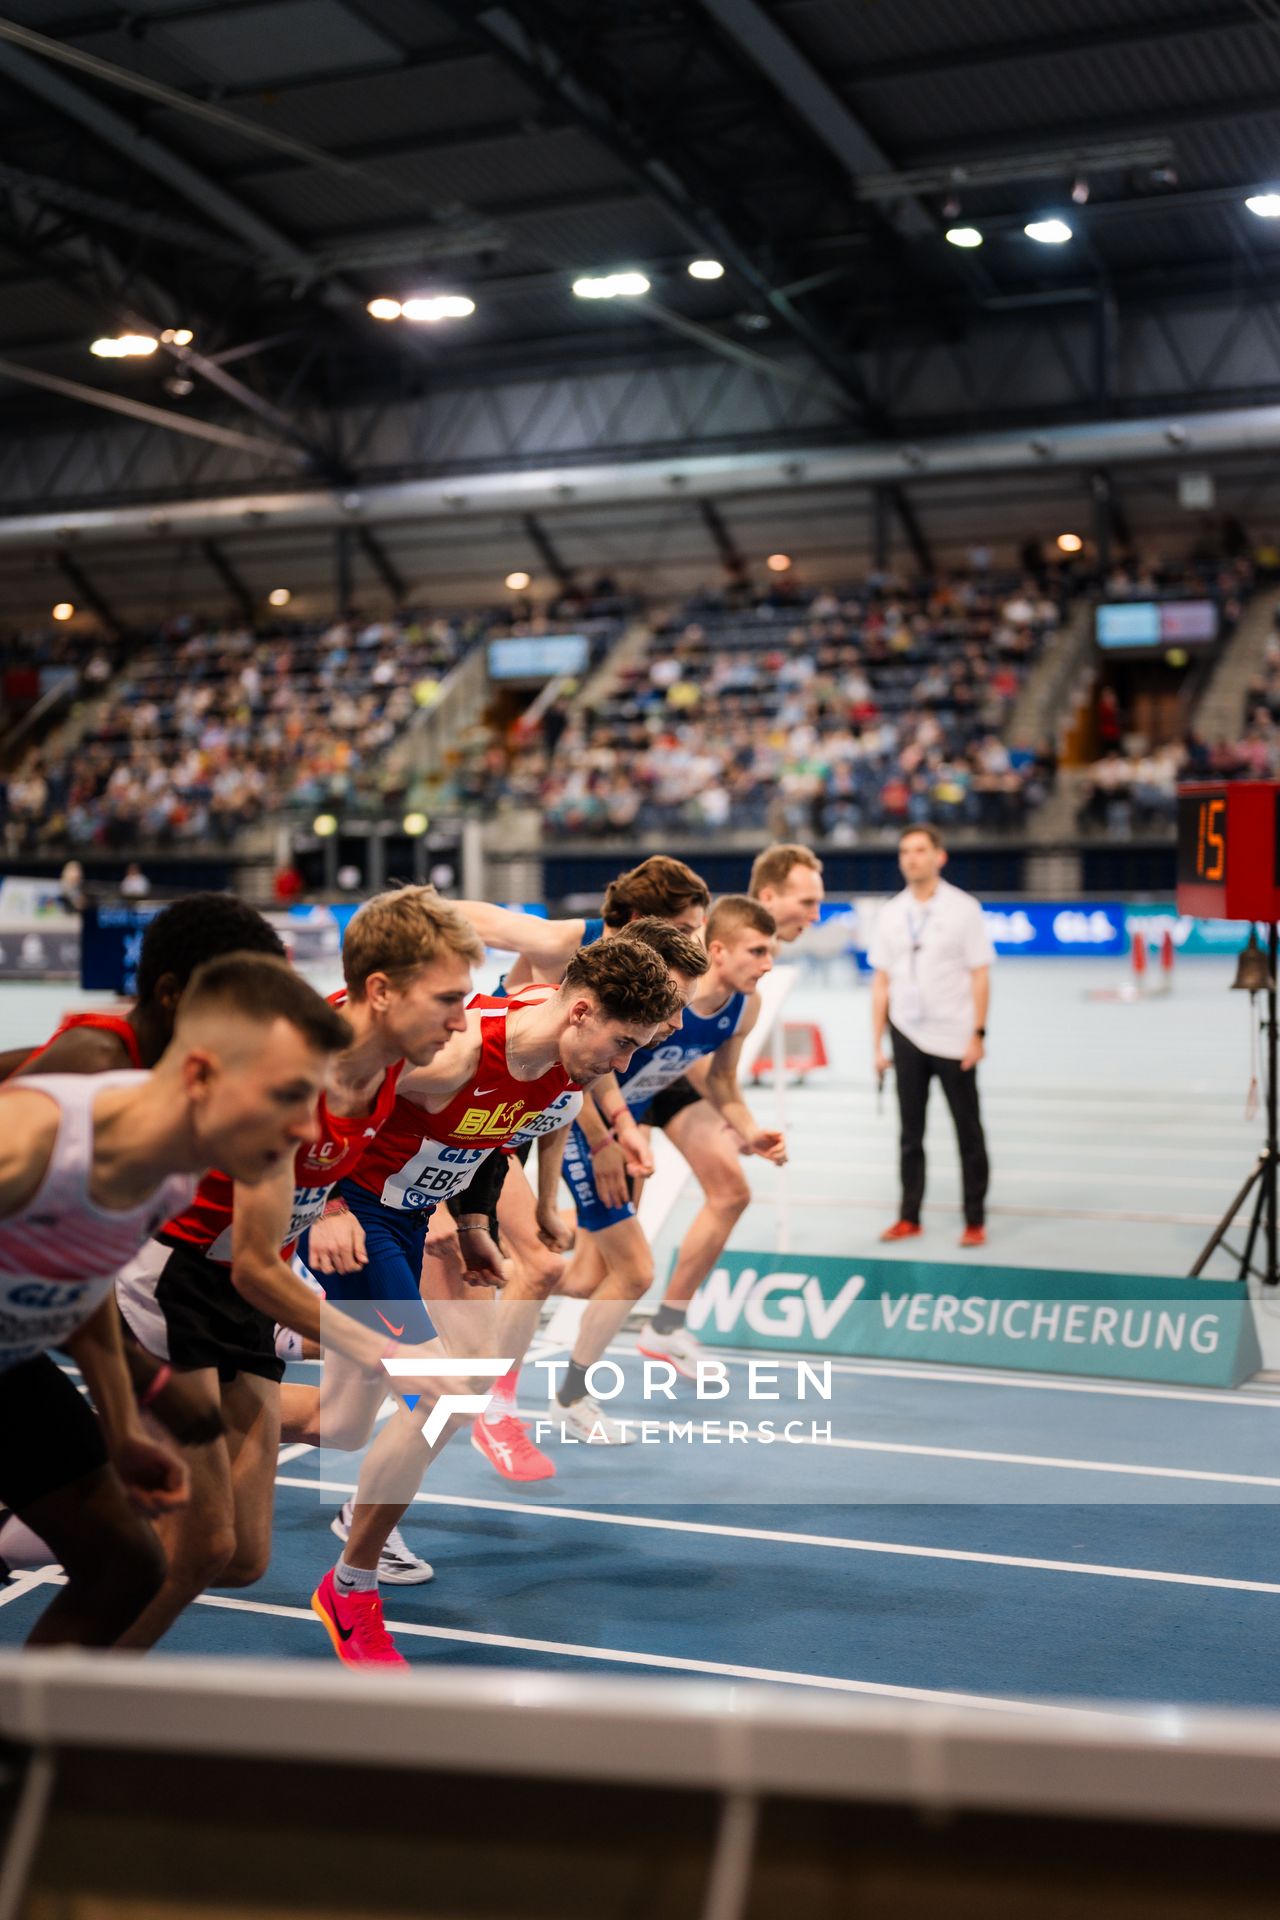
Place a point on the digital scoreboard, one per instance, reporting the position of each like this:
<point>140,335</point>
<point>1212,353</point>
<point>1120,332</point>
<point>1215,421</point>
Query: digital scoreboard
<point>1229,850</point>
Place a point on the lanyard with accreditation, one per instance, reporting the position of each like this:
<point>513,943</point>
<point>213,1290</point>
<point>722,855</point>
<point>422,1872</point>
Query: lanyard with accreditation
<point>910,999</point>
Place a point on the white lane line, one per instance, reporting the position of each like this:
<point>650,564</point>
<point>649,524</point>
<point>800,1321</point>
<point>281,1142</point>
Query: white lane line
<point>1041,1460</point>
<point>892,1548</point>
<point>22,1583</point>
<point>673,1663</point>
<point>1011,1210</point>
<point>294,1452</point>
<point>1033,1383</point>
<point>887,1171</point>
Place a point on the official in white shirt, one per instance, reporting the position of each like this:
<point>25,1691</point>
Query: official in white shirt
<point>932,957</point>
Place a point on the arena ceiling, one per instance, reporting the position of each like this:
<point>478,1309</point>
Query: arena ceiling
<point>258,170</point>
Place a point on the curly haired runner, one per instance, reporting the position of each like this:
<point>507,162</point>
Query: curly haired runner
<point>659,890</point>
<point>614,1262</point>
<point>515,1058</point>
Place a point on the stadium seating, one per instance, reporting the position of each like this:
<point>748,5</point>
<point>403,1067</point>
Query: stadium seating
<point>209,729</point>
<point>873,708</point>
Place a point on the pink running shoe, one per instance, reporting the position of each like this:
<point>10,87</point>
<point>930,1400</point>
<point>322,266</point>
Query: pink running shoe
<point>506,1444</point>
<point>353,1621</point>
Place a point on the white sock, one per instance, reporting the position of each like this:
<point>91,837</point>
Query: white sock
<point>349,1579</point>
<point>21,1549</point>
<point>503,1404</point>
<point>288,1344</point>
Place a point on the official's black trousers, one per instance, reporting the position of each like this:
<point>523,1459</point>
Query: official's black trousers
<point>913,1071</point>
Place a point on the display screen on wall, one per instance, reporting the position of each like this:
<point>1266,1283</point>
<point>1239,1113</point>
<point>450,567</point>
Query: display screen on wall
<point>538,656</point>
<point>1138,626</point>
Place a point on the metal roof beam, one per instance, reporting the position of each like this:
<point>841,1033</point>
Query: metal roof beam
<point>92,595</point>
<point>731,555</point>
<point>1173,119</point>
<point>230,579</point>
<point>799,82</point>
<point>524,42</point>
<point>1097,39</point>
<point>149,415</point>
<point>548,553</point>
<point>383,565</point>
<point>273,248</point>
<point>910,524</point>
<point>403,146</point>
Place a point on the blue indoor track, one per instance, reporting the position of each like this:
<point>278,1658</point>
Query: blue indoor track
<point>1114,1542</point>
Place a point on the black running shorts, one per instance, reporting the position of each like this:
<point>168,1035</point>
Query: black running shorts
<point>49,1434</point>
<point>672,1100</point>
<point>200,1320</point>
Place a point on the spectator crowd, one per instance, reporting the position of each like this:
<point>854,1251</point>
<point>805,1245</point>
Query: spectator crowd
<point>211,728</point>
<point>879,707</point>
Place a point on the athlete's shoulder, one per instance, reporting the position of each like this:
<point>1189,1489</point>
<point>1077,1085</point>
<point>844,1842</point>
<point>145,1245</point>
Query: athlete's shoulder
<point>29,1122</point>
<point>81,1048</point>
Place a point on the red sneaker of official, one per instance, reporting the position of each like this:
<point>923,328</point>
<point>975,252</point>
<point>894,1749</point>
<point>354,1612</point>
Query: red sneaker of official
<point>974,1237</point>
<point>902,1230</point>
<point>507,1446</point>
<point>353,1621</point>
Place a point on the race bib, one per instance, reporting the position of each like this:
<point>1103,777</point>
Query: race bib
<point>435,1173</point>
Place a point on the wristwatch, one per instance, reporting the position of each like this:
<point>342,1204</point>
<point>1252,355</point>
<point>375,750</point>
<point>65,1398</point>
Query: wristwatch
<point>980,1033</point>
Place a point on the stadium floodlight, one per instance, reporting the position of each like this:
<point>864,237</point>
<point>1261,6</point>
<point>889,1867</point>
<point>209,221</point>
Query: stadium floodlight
<point>427,309</point>
<point>64,610</point>
<point>517,582</point>
<point>1070,543</point>
<point>324,826</point>
<point>611,286</point>
<point>1265,205</point>
<point>384,309</point>
<point>964,236</point>
<point>415,825</point>
<point>279,597</point>
<point>1049,233</point>
<point>124,346</point>
<point>706,270</point>
<point>177,337</point>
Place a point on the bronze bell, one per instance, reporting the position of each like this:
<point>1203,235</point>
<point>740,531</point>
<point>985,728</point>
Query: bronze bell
<point>1252,971</point>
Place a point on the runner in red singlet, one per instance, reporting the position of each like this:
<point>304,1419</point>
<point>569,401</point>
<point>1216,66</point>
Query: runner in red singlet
<point>207,1293</point>
<point>510,1063</point>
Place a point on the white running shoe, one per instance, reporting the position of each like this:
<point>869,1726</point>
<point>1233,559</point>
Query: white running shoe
<point>679,1348</point>
<point>589,1421</point>
<point>397,1566</point>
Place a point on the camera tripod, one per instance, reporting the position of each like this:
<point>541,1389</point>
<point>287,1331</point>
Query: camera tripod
<point>1264,1175</point>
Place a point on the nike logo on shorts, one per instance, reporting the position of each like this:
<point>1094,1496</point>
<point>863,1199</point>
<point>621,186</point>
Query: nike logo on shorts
<point>387,1324</point>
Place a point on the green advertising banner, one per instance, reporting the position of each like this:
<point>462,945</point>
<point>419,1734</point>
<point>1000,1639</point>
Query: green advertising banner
<point>1188,935</point>
<point>1121,1325</point>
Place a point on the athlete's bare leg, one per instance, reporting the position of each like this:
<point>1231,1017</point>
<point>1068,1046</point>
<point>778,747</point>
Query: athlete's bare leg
<point>628,1262</point>
<point>222,1537</point>
<point>711,1149</point>
<point>112,1559</point>
<point>199,1540</point>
